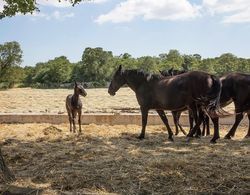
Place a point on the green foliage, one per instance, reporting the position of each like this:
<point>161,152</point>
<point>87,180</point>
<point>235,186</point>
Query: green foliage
<point>13,7</point>
<point>225,63</point>
<point>10,59</point>
<point>172,59</point>
<point>10,55</point>
<point>97,66</point>
<point>52,73</point>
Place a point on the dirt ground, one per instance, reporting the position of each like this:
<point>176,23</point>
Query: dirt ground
<point>109,159</point>
<point>27,100</point>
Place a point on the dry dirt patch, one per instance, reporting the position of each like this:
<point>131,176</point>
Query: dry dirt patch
<point>109,159</point>
<point>27,100</point>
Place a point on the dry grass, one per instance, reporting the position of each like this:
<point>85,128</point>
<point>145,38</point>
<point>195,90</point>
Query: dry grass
<point>109,159</point>
<point>27,100</point>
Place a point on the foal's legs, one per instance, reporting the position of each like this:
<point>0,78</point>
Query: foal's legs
<point>164,119</point>
<point>238,118</point>
<point>79,120</point>
<point>144,113</point>
<point>70,119</point>
<point>74,112</point>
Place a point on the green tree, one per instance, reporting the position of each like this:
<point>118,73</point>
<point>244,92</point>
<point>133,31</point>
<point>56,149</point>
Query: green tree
<point>10,55</point>
<point>59,70</point>
<point>172,59</point>
<point>147,63</point>
<point>12,76</point>
<point>97,65</point>
<point>225,63</point>
<point>207,65</point>
<point>13,7</point>
<point>126,60</point>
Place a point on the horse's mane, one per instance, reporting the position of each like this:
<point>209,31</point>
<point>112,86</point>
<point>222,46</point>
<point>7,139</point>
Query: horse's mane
<point>143,75</point>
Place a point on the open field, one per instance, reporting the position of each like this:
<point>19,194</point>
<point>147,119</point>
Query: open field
<point>109,159</point>
<point>27,100</point>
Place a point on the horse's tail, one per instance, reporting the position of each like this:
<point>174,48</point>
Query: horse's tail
<point>213,97</point>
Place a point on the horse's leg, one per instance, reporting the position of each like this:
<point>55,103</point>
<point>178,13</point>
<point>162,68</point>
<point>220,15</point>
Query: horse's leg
<point>144,113</point>
<point>70,119</point>
<point>176,117</point>
<point>164,119</point>
<point>178,123</point>
<point>198,120</point>
<point>201,118</point>
<point>74,112</point>
<point>238,118</point>
<point>207,124</point>
<point>203,126</point>
<point>216,136</point>
<point>79,120</point>
<point>191,119</point>
<point>248,133</point>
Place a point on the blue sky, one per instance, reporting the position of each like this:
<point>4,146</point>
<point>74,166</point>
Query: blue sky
<point>138,27</point>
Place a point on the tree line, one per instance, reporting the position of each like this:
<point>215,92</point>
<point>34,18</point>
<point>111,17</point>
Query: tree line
<point>97,66</point>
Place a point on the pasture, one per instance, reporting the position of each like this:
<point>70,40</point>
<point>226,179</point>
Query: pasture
<point>109,159</point>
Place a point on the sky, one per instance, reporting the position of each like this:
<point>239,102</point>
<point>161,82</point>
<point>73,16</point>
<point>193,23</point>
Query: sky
<point>138,27</point>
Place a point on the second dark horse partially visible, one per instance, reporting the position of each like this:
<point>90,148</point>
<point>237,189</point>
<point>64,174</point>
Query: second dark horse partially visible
<point>174,93</point>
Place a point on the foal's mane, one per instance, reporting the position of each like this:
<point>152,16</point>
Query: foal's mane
<point>141,74</point>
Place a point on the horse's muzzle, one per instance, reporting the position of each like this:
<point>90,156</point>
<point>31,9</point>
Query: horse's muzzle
<point>112,93</point>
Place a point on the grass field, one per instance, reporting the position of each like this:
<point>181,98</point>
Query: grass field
<point>27,100</point>
<point>109,159</point>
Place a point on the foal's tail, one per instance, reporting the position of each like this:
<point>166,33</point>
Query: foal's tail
<point>213,96</point>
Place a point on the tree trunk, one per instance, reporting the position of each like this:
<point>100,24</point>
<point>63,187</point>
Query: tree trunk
<point>7,175</point>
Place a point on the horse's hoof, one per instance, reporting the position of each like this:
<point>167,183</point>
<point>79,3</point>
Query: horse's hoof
<point>189,139</point>
<point>140,137</point>
<point>176,133</point>
<point>212,141</point>
<point>171,139</point>
<point>197,136</point>
<point>227,137</point>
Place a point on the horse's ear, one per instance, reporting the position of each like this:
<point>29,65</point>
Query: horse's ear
<point>170,71</point>
<point>75,83</point>
<point>120,68</point>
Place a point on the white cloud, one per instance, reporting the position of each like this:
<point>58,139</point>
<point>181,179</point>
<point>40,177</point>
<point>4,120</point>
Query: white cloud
<point>54,3</point>
<point>65,3</point>
<point>2,3</point>
<point>57,15</point>
<point>148,9</point>
<point>233,11</point>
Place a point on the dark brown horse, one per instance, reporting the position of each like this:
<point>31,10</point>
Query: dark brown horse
<point>74,106</point>
<point>174,93</point>
<point>176,114</point>
<point>236,88</point>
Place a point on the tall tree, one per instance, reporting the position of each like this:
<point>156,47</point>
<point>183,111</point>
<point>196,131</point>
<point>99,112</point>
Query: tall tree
<point>97,65</point>
<point>10,55</point>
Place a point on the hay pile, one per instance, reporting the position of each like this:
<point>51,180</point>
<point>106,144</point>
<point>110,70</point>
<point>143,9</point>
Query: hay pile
<point>109,159</point>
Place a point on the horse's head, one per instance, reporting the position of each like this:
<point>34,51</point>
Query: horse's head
<point>116,82</point>
<point>79,89</point>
